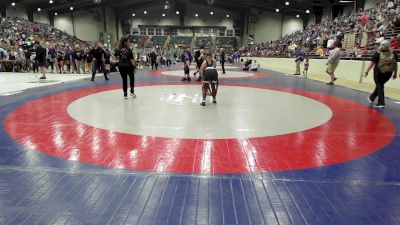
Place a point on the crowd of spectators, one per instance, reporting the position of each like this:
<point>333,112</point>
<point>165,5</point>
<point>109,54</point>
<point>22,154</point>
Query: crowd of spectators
<point>17,40</point>
<point>381,20</point>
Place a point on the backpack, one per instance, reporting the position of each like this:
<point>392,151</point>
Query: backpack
<point>387,63</point>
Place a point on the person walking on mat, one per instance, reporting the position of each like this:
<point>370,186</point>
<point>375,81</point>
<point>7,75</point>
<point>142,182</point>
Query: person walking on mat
<point>385,66</point>
<point>333,62</point>
<point>126,65</point>
<point>99,55</point>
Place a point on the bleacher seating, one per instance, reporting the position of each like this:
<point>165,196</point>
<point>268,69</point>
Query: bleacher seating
<point>157,41</point>
<point>359,41</point>
<point>139,40</point>
<point>226,42</point>
<point>181,41</point>
<point>205,41</point>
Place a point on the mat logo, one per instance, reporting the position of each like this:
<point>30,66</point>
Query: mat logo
<point>178,99</point>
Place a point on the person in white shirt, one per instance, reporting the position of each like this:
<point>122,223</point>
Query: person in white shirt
<point>255,65</point>
<point>333,62</point>
<point>330,43</point>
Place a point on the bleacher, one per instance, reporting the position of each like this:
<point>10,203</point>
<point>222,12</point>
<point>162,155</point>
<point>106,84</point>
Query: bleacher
<point>226,42</point>
<point>181,41</point>
<point>157,41</point>
<point>205,41</point>
<point>139,40</point>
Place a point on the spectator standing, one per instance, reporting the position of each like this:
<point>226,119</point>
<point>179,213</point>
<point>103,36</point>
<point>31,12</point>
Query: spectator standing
<point>52,58</point>
<point>394,42</point>
<point>364,19</point>
<point>79,60</point>
<point>187,59</point>
<point>306,66</point>
<point>299,59</point>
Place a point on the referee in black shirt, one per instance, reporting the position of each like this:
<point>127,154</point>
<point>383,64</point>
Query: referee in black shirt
<point>99,60</point>
<point>41,55</point>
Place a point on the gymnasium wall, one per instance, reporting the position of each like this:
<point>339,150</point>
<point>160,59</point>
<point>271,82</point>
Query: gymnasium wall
<point>371,3</point>
<point>327,13</point>
<point>349,70</point>
<point>348,9</point>
<point>291,24</point>
<point>88,24</point>
<point>270,26</point>
<point>63,22</point>
<point>311,20</point>
<point>267,27</point>
<point>41,17</point>
<point>17,11</point>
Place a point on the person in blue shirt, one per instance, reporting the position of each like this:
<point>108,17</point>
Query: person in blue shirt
<point>299,59</point>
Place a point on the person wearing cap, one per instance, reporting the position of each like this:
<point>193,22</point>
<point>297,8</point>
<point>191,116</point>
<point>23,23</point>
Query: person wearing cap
<point>333,62</point>
<point>384,62</point>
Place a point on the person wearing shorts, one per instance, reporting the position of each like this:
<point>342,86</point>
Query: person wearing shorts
<point>333,62</point>
<point>187,59</point>
<point>68,59</point>
<point>210,78</point>
<point>60,60</point>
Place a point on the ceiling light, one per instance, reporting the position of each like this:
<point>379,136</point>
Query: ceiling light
<point>51,1</point>
<point>196,15</point>
<point>307,11</point>
<point>177,12</point>
<point>145,12</point>
<point>211,13</point>
<point>39,9</point>
<point>163,14</point>
<point>71,8</point>
<point>287,3</point>
<point>297,16</point>
<point>133,14</point>
<point>276,10</point>
<point>227,15</point>
<point>13,4</point>
<point>55,14</point>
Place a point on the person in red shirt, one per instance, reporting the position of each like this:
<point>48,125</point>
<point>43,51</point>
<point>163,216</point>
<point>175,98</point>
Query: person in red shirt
<point>364,19</point>
<point>394,42</point>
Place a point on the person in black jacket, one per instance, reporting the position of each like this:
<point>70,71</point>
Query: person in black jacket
<point>41,55</point>
<point>222,58</point>
<point>153,58</point>
<point>99,60</point>
<point>126,65</point>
